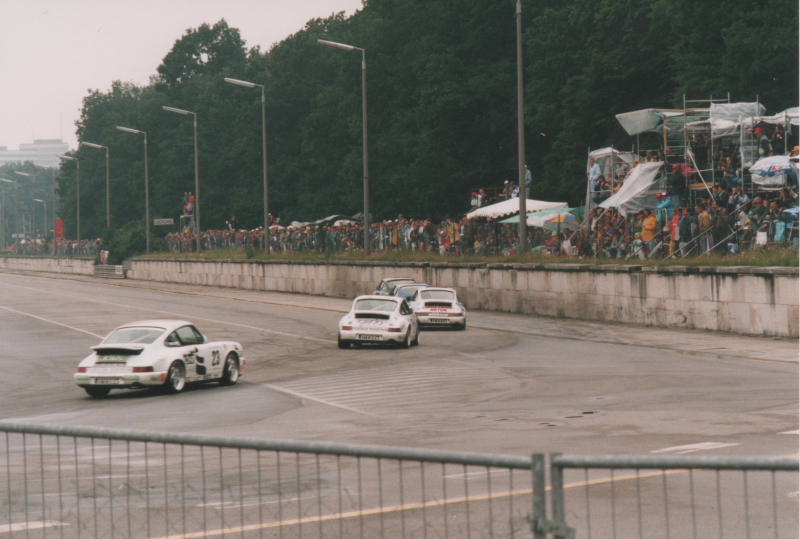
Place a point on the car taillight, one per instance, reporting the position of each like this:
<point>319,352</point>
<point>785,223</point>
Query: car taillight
<point>423,313</point>
<point>347,328</point>
<point>394,330</point>
<point>81,369</point>
<point>143,369</point>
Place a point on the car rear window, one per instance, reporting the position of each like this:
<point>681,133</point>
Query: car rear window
<point>376,305</point>
<point>437,294</point>
<point>134,336</point>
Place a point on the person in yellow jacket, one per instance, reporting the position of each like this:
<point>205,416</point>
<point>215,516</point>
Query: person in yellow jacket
<point>649,228</point>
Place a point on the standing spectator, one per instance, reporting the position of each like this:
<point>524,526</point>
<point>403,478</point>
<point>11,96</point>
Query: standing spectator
<point>528,182</point>
<point>649,227</point>
<point>594,174</point>
<point>674,226</point>
<point>506,193</point>
<point>703,226</point>
<point>777,142</point>
<point>234,223</point>
<point>763,142</point>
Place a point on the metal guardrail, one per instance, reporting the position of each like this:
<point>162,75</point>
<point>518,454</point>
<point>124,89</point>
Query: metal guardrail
<point>62,481</point>
<point>110,272</point>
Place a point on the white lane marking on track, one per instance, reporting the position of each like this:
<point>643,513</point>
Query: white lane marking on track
<point>315,399</point>
<point>369,384</point>
<point>159,311</point>
<point>691,448</point>
<point>791,432</point>
<point>52,322</point>
<point>235,505</point>
<point>470,475</point>
<point>37,525</point>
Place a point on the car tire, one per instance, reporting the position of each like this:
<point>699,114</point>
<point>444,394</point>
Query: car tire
<point>230,373</point>
<point>407,341</point>
<point>98,392</point>
<point>344,345</point>
<point>176,378</point>
<point>415,342</point>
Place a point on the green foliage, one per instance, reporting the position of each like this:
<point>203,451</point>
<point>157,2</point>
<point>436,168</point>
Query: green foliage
<point>442,104</point>
<point>125,242</point>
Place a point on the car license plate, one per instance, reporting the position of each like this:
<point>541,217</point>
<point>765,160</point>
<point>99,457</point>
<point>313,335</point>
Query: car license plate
<point>369,337</point>
<point>438,321</point>
<point>107,381</point>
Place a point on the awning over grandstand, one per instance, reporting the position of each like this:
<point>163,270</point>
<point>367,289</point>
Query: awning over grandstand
<point>532,215</point>
<point>638,191</point>
<point>645,121</point>
<point>511,207</point>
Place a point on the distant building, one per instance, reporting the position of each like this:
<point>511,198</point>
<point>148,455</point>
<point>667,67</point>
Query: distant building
<point>41,152</point>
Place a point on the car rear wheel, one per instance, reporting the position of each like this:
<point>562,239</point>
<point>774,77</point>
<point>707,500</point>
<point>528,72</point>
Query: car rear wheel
<point>415,342</point>
<point>407,341</point>
<point>97,392</point>
<point>230,374</point>
<point>343,344</point>
<point>461,327</point>
<point>176,378</point>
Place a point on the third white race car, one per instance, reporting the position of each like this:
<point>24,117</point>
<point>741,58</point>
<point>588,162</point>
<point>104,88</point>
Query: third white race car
<point>165,353</point>
<point>439,307</point>
<point>379,319</point>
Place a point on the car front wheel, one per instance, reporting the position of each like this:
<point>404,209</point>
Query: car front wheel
<point>97,392</point>
<point>176,378</point>
<point>230,374</point>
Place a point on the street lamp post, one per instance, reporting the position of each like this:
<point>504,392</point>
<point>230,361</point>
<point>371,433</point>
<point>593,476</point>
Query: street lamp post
<point>45,213</point>
<point>196,174</point>
<point>108,181</point>
<point>3,204</point>
<point>146,183</point>
<point>263,151</point>
<point>523,198</point>
<point>78,189</point>
<point>33,205</point>
<point>364,128</point>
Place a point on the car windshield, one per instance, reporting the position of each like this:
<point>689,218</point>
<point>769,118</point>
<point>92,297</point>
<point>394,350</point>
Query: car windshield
<point>134,336</point>
<point>408,291</point>
<point>437,294</point>
<point>382,305</point>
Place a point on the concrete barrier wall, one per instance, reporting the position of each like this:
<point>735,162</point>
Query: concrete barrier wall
<point>747,300</point>
<point>79,266</point>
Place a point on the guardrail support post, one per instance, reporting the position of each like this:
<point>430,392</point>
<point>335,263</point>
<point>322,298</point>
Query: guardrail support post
<point>560,530</point>
<point>539,503</point>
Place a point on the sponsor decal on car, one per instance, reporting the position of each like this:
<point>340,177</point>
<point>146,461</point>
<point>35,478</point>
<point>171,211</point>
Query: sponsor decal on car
<point>112,359</point>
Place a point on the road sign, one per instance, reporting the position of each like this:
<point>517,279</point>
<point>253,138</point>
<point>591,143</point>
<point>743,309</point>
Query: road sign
<point>157,222</point>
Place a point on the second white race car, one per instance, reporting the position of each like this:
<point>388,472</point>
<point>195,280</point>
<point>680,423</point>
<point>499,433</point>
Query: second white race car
<point>379,320</point>
<point>439,307</point>
<point>158,353</point>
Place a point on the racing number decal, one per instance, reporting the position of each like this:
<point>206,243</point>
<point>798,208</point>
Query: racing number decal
<point>215,358</point>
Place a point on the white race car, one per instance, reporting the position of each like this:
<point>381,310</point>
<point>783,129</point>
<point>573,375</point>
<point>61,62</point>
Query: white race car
<point>439,307</point>
<point>387,286</point>
<point>379,319</point>
<point>166,353</point>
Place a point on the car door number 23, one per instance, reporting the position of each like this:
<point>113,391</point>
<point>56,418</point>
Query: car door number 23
<point>215,358</point>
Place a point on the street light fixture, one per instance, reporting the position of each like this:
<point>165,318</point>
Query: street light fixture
<point>146,182</point>
<point>78,188</point>
<point>196,174</point>
<point>33,209</point>
<point>108,180</point>
<point>3,206</point>
<point>263,150</point>
<point>364,127</point>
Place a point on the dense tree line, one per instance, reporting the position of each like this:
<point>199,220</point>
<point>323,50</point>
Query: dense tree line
<point>442,104</point>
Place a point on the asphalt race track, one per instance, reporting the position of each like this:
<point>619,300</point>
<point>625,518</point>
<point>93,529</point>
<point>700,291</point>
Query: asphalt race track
<point>510,384</point>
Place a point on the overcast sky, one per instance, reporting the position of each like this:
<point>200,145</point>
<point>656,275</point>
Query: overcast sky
<point>53,51</point>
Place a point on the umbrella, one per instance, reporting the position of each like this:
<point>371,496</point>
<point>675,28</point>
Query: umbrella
<point>769,167</point>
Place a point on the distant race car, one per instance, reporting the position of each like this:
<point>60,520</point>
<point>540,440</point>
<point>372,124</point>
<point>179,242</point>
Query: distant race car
<point>153,353</point>
<point>386,287</point>
<point>439,307</point>
<point>407,291</point>
<point>379,319</point>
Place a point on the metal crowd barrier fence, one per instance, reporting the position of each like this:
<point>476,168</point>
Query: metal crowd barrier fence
<point>75,482</point>
<point>667,496</point>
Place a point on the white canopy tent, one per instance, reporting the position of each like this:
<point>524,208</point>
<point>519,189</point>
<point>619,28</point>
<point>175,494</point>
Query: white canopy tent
<point>639,190</point>
<point>646,121</point>
<point>511,207</point>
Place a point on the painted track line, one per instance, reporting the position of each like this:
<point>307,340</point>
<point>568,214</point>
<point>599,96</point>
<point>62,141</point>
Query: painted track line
<point>285,391</point>
<point>52,322</point>
<point>149,309</point>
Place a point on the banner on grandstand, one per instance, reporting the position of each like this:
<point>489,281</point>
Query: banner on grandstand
<point>157,222</point>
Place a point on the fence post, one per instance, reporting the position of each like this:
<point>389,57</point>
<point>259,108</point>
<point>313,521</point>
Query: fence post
<point>539,507</point>
<point>557,497</point>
